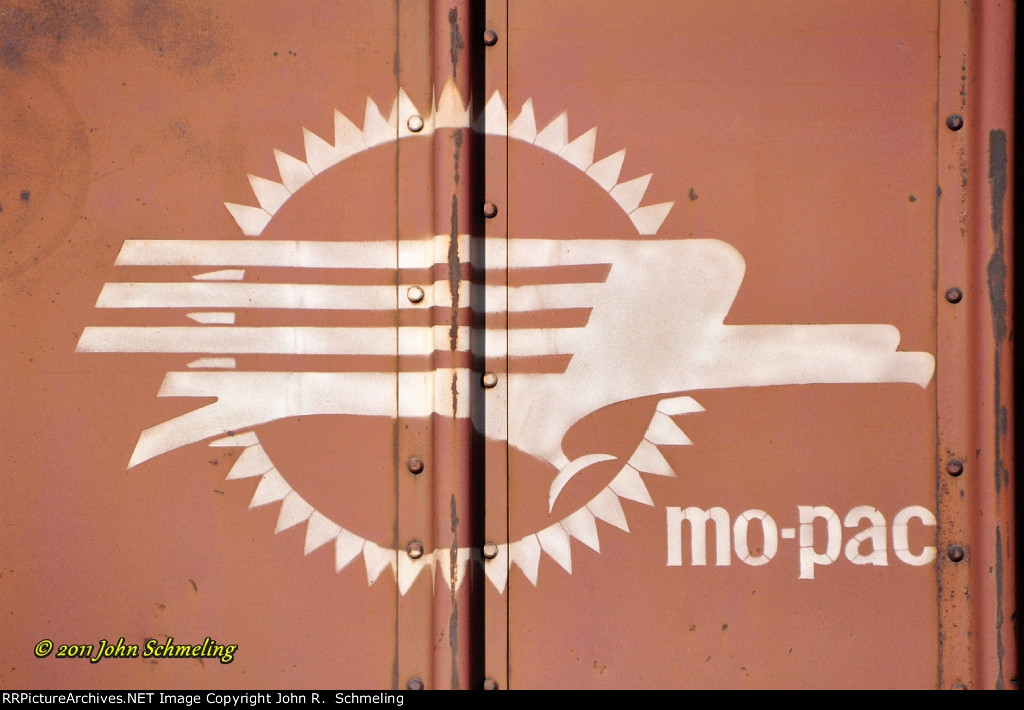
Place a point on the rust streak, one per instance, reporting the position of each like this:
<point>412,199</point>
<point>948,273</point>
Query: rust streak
<point>453,573</point>
<point>996,278</point>
<point>455,41</point>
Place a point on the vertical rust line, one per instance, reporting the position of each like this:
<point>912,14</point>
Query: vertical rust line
<point>992,576</point>
<point>457,608</point>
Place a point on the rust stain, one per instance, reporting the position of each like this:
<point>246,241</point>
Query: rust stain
<point>193,37</point>
<point>453,572</point>
<point>47,27</point>
<point>996,278</point>
<point>963,81</point>
<point>455,39</point>
<point>997,265</point>
<point>454,286</point>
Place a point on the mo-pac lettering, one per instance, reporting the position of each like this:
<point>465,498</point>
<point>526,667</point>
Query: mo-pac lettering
<point>867,546</point>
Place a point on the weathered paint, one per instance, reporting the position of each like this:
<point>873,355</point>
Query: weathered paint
<point>659,229</point>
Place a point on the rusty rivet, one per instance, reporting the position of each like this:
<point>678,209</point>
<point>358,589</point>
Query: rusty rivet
<point>415,684</point>
<point>490,550</point>
<point>415,294</point>
<point>415,123</point>
<point>490,210</point>
<point>415,465</point>
<point>490,38</point>
<point>955,553</point>
<point>954,295</point>
<point>490,684</point>
<point>489,380</point>
<point>954,467</point>
<point>415,550</point>
<point>954,122</point>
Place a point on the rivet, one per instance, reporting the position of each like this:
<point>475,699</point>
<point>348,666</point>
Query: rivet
<point>955,553</point>
<point>415,123</point>
<point>954,295</point>
<point>415,294</point>
<point>954,467</point>
<point>490,684</point>
<point>490,38</point>
<point>415,465</point>
<point>414,684</point>
<point>954,122</point>
<point>490,550</point>
<point>490,210</point>
<point>489,380</point>
<point>415,550</point>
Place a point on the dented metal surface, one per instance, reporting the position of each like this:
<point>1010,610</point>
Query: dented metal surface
<point>433,345</point>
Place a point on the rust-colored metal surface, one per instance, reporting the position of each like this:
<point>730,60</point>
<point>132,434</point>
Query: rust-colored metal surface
<point>507,345</point>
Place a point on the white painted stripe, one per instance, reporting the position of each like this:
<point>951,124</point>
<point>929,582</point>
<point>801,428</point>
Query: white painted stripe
<point>222,275</point>
<point>248,399</point>
<point>377,254</point>
<point>213,318</point>
<point>330,297</point>
<point>215,363</point>
<point>246,295</point>
<point>327,341</point>
<point>274,340</point>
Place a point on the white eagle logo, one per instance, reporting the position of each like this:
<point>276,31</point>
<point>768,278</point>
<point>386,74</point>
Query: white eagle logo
<point>614,336</point>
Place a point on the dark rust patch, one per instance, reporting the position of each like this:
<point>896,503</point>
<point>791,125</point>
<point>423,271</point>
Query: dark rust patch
<point>190,36</point>
<point>996,277</point>
<point>455,39</point>
<point>47,27</point>
<point>453,274</point>
<point>453,572</point>
<point>997,265</point>
<point>193,37</point>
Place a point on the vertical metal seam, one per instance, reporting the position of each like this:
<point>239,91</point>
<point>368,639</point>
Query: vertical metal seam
<point>396,425</point>
<point>508,390</point>
<point>938,369</point>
